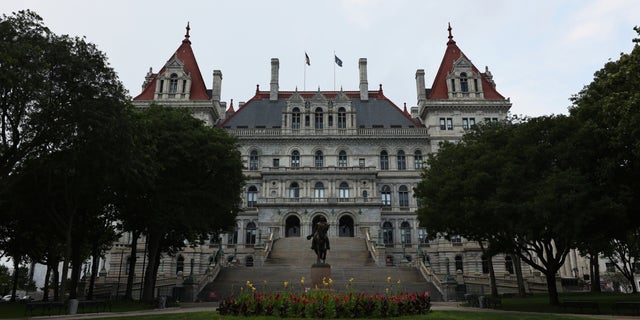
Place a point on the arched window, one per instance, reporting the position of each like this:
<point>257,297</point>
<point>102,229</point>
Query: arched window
<point>343,191</point>
<point>387,234</point>
<point>294,191</point>
<point>173,83</point>
<point>319,118</point>
<point>342,159</point>
<point>508,264</point>
<point>384,160</point>
<point>386,196</point>
<point>402,160</point>
<point>318,190</point>
<point>253,160</point>
<point>180,264</point>
<point>252,197</point>
<point>365,196</point>
<point>405,235</point>
<point>342,118</point>
<point>295,159</point>
<point>403,196</point>
<point>250,236</point>
<point>464,85</point>
<point>319,159</point>
<point>417,159</point>
<point>295,118</point>
<point>459,264</point>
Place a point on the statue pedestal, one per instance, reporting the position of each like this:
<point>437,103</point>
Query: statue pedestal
<point>320,271</point>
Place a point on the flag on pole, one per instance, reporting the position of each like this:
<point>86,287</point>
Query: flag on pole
<point>306,59</point>
<point>338,61</point>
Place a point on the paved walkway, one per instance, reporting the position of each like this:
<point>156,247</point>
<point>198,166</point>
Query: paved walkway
<point>211,306</point>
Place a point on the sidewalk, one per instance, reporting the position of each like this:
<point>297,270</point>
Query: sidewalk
<point>211,306</point>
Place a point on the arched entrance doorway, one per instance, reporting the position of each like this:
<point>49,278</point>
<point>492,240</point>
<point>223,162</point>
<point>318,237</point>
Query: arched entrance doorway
<point>345,226</point>
<point>292,227</point>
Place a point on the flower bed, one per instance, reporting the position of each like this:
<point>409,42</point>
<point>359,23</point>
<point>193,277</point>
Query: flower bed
<point>324,303</point>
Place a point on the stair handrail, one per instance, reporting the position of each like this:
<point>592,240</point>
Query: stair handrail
<point>370,246</point>
<point>208,277</point>
<point>428,275</point>
<point>268,244</point>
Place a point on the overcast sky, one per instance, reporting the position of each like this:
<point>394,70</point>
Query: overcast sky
<point>539,52</point>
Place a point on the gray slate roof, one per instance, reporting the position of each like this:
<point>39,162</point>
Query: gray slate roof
<point>262,113</point>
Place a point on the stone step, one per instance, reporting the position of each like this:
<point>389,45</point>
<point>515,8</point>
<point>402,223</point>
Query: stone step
<point>352,270</point>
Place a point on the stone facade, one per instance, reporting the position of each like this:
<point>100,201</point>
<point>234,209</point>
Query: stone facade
<point>353,157</point>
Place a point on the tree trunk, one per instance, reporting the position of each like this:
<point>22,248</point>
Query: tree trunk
<point>153,251</point>
<point>95,266</point>
<point>45,289</point>
<point>14,288</point>
<point>56,282</point>
<point>132,266</point>
<point>76,268</point>
<point>552,289</point>
<point>517,263</point>
<point>594,273</point>
<point>492,279</point>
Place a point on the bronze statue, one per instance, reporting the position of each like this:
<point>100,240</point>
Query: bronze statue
<point>320,242</point>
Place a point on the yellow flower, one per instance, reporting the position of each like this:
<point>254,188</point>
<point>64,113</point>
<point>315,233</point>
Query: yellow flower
<point>248,283</point>
<point>286,284</point>
<point>253,289</point>
<point>302,281</point>
<point>386,290</point>
<point>398,282</point>
<point>330,281</point>
<point>350,280</point>
<point>389,279</point>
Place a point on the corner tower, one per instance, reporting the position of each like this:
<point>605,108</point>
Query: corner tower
<point>180,84</point>
<point>460,97</point>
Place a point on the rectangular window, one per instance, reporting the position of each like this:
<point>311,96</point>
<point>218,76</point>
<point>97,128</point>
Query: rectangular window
<point>161,86</point>
<point>465,123</point>
<point>494,119</point>
<point>487,120</point>
<point>276,162</point>
<point>307,121</point>
<point>330,121</point>
<point>472,122</point>
<point>453,85</point>
<point>456,240</point>
<point>184,86</point>
<point>449,124</point>
<point>361,162</point>
<point>443,125</point>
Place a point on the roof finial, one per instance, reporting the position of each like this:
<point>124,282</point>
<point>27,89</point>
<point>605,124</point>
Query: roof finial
<point>450,36</point>
<point>188,28</point>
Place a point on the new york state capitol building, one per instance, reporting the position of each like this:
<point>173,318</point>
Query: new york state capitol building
<point>353,157</point>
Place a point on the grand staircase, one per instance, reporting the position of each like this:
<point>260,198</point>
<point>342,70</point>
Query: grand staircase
<point>291,258</point>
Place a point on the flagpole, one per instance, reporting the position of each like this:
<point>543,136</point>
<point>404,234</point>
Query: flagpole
<point>304,81</point>
<point>334,70</point>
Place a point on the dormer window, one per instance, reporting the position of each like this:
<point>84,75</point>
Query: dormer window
<point>464,85</point>
<point>173,83</point>
<point>295,118</point>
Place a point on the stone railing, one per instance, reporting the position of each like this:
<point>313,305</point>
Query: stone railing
<point>372,132</point>
<point>371,245</point>
<point>431,277</point>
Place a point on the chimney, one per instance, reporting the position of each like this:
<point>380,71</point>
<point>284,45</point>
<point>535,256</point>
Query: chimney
<point>216,88</point>
<point>275,67</point>
<point>364,85</point>
<point>422,95</point>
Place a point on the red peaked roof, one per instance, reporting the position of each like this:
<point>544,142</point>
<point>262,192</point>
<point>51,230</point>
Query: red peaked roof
<point>185,54</point>
<point>452,54</point>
